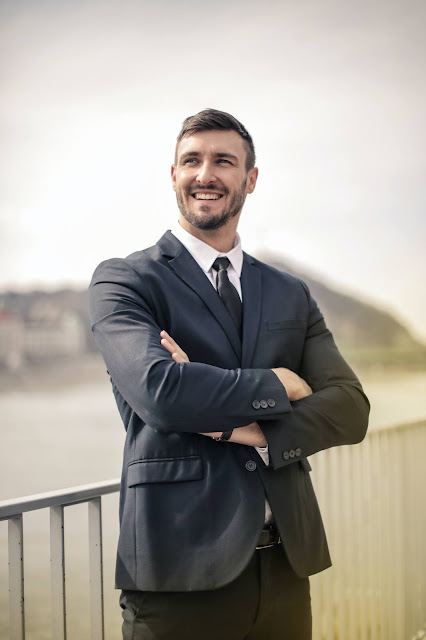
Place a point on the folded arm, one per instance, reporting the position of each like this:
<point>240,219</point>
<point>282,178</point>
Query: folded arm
<point>168,395</point>
<point>181,396</point>
<point>329,405</point>
<point>250,434</point>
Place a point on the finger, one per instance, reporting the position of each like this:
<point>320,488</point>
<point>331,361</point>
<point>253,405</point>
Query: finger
<point>172,346</point>
<point>177,357</point>
<point>166,344</point>
<point>174,352</point>
<point>169,338</point>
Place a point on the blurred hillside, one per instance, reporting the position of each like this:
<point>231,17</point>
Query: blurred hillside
<point>366,335</point>
<point>40,329</point>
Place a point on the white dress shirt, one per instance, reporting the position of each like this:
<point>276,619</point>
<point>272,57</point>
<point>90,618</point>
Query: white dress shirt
<point>204,255</point>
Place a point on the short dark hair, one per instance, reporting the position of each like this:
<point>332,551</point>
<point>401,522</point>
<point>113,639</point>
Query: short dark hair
<point>210,119</point>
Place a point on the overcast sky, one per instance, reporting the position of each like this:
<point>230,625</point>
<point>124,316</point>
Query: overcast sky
<point>333,93</point>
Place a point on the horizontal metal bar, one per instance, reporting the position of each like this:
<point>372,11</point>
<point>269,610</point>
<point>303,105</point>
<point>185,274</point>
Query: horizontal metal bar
<point>399,426</point>
<point>83,493</point>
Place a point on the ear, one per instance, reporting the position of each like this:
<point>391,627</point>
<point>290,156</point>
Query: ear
<point>173,174</point>
<point>252,179</point>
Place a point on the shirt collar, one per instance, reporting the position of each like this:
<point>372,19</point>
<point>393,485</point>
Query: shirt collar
<point>204,254</point>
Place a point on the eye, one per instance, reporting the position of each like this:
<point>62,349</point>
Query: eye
<point>190,161</point>
<point>223,160</point>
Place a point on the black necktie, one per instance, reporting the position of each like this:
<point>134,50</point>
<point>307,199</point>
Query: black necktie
<point>227,292</point>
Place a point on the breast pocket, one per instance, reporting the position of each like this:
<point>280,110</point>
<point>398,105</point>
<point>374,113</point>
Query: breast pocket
<point>292,323</point>
<point>281,343</point>
<point>156,470</point>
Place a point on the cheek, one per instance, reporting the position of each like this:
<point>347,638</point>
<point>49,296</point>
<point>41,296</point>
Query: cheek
<point>184,182</point>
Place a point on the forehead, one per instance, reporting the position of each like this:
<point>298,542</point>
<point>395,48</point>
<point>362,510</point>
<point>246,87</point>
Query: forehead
<point>213,142</point>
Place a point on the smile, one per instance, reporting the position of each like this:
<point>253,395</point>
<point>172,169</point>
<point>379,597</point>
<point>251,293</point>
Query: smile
<point>207,196</point>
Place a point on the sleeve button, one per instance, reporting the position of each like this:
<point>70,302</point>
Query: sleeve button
<point>271,402</point>
<point>298,452</point>
<point>292,453</point>
<point>255,404</point>
<point>263,404</point>
<point>286,455</point>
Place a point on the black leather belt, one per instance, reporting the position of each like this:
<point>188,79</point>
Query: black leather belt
<point>269,537</point>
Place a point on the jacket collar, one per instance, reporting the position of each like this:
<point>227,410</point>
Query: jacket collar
<point>205,255</point>
<point>187,269</point>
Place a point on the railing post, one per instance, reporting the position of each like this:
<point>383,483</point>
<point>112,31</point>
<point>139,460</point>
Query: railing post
<point>96,570</point>
<point>16,578</point>
<point>57,572</point>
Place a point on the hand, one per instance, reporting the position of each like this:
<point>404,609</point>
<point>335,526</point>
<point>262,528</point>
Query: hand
<point>295,386</point>
<point>173,348</point>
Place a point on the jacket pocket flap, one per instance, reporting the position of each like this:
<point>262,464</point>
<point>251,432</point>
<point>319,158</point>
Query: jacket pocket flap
<point>164,470</point>
<point>293,323</point>
<point>305,464</point>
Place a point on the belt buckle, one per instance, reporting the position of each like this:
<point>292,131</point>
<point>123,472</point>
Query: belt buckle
<point>271,544</point>
<point>266,546</point>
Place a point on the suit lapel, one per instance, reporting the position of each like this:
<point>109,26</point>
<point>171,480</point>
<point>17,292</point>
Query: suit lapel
<point>251,285</point>
<point>184,265</point>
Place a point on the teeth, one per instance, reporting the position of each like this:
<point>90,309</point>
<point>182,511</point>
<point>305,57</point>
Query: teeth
<point>207,196</point>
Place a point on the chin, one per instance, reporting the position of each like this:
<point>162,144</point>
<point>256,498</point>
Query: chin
<point>206,221</point>
<point>208,224</point>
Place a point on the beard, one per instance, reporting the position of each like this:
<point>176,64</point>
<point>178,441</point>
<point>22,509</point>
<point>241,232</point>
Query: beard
<point>201,219</point>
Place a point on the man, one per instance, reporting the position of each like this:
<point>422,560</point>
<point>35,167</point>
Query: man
<point>222,401</point>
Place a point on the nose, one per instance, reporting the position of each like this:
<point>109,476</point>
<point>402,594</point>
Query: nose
<point>206,173</point>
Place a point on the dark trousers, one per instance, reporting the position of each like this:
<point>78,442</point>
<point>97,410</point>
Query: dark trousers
<point>268,601</point>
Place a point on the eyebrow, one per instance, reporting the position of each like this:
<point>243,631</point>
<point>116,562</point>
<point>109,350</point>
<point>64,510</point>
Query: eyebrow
<point>227,155</point>
<point>189,153</point>
<point>221,154</point>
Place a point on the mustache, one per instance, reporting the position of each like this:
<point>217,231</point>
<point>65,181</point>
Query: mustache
<point>207,187</point>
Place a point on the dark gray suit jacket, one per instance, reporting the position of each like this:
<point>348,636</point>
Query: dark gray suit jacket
<point>191,508</point>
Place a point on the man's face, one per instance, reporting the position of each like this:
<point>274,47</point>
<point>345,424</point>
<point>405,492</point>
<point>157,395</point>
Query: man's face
<point>210,178</point>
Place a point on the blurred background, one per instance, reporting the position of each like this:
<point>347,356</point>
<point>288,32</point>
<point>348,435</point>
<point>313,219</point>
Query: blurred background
<point>93,95</point>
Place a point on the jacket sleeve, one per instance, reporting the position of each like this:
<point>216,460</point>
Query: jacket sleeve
<point>167,395</point>
<point>335,414</point>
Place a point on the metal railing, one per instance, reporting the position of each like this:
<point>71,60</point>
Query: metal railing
<point>372,497</point>
<point>12,511</point>
<point>373,500</point>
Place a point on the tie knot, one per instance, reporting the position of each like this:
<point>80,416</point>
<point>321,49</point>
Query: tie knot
<point>221,264</point>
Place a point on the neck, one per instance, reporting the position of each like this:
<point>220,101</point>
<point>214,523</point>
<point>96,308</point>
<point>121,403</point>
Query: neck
<point>221,239</point>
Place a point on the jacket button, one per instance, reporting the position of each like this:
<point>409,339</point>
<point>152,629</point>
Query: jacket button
<point>286,455</point>
<point>298,452</point>
<point>263,404</point>
<point>250,465</point>
<point>255,404</point>
<point>271,402</point>
<point>292,453</point>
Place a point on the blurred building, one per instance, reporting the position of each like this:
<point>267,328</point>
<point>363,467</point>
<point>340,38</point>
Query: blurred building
<point>12,338</point>
<point>51,332</point>
<point>45,333</point>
